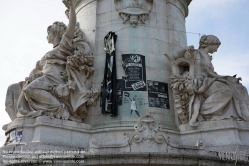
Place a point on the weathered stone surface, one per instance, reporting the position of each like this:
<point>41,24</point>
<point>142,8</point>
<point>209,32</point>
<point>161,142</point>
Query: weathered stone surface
<point>161,33</point>
<point>225,132</point>
<point>146,144</point>
<point>50,130</point>
<point>153,138</point>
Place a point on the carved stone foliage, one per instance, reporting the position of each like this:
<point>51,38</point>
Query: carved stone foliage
<point>83,54</point>
<point>134,11</point>
<point>182,84</point>
<point>182,97</point>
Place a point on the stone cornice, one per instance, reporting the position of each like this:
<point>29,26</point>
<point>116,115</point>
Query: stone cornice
<point>183,3</point>
<point>79,5</point>
<point>76,2</point>
<point>81,157</point>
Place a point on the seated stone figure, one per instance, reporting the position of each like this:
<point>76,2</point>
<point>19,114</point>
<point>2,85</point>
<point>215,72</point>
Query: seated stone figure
<point>202,94</point>
<point>59,85</point>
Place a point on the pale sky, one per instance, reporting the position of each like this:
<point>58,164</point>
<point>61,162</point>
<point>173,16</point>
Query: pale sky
<point>24,29</point>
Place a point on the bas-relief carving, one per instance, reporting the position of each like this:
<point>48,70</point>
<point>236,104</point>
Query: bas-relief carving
<point>134,11</point>
<point>147,131</point>
<point>59,86</point>
<point>147,137</point>
<point>200,93</point>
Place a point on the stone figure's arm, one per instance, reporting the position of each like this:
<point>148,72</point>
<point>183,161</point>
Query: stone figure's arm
<point>199,74</point>
<point>198,65</point>
<point>39,65</point>
<point>72,20</point>
<point>212,73</point>
<point>37,71</point>
<point>182,53</point>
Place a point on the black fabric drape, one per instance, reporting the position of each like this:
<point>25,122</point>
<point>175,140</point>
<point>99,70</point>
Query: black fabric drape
<point>109,84</point>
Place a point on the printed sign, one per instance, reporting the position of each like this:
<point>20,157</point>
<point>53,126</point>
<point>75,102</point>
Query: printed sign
<point>158,94</point>
<point>134,67</point>
<point>138,85</point>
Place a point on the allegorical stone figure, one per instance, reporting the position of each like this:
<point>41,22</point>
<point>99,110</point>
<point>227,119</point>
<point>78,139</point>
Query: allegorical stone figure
<point>213,96</point>
<point>58,86</point>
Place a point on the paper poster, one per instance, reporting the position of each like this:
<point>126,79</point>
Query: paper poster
<point>158,94</point>
<point>135,70</point>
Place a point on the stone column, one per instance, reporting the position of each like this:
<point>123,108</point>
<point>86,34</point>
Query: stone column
<point>163,32</point>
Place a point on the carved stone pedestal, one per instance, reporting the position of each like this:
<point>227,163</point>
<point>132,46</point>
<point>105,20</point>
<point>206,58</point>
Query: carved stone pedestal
<point>48,130</point>
<point>47,141</point>
<point>216,133</point>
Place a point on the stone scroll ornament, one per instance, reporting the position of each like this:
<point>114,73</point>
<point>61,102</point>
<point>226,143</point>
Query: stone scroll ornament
<point>59,86</point>
<point>200,93</point>
<point>134,11</point>
<point>147,131</point>
<point>109,85</point>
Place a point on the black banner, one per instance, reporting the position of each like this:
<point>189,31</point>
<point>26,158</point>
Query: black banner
<point>109,84</point>
<point>135,70</point>
<point>158,95</point>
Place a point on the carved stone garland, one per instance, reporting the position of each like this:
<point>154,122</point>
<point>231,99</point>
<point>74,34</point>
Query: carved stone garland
<point>134,10</point>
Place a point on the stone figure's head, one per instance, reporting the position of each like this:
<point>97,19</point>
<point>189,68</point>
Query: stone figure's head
<point>67,13</point>
<point>134,20</point>
<point>209,41</point>
<point>56,31</point>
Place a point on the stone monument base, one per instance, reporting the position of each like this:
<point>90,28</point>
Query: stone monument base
<point>47,141</point>
<point>216,133</point>
<point>51,131</point>
<point>66,156</point>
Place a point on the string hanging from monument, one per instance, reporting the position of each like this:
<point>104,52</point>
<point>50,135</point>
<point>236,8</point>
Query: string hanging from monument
<point>195,33</point>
